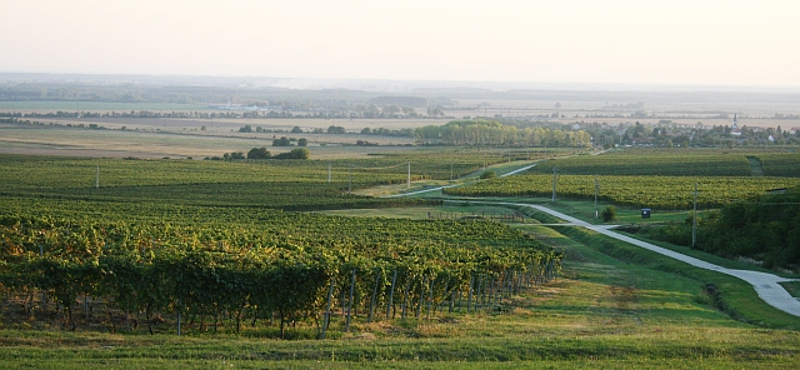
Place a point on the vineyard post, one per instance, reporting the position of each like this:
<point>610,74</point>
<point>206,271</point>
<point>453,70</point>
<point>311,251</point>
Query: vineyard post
<point>469,293</point>
<point>405,297</point>
<point>596,189</point>
<point>391,296</point>
<point>430,305</point>
<point>328,308</point>
<point>452,300</point>
<point>350,178</point>
<point>97,178</point>
<point>694,218</point>
<point>329,172</point>
<point>421,296</point>
<point>374,294</point>
<point>350,301</point>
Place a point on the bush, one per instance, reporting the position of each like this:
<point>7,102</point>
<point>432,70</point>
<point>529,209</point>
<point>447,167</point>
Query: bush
<point>488,175</point>
<point>258,153</point>
<point>609,213</point>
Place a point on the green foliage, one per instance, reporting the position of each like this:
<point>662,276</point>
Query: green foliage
<point>488,175</point>
<point>491,132</point>
<point>254,264</point>
<point>650,164</point>
<point>258,153</point>
<point>657,192</point>
<point>283,141</point>
<point>302,142</point>
<point>767,230</point>
<point>297,153</point>
<point>336,130</point>
<point>609,213</point>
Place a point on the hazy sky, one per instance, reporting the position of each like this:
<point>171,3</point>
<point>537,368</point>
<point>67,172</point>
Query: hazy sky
<point>698,42</point>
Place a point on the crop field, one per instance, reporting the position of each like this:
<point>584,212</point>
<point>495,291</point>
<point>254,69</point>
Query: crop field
<point>657,192</point>
<point>652,164</point>
<point>282,184</point>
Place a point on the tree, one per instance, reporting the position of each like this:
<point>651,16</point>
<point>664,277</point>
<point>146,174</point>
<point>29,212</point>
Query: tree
<point>302,142</point>
<point>283,141</point>
<point>298,153</point>
<point>337,130</point>
<point>258,153</point>
<point>246,128</point>
<point>366,131</point>
<point>297,130</point>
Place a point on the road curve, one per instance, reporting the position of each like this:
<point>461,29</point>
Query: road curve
<point>766,285</point>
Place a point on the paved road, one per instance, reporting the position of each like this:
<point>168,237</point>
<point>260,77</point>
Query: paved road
<point>454,185</point>
<point>766,285</point>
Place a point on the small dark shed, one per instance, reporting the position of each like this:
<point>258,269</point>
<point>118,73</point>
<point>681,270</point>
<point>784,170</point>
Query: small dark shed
<point>646,212</point>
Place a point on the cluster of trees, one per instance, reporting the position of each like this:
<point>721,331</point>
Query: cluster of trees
<point>492,132</point>
<point>284,141</point>
<point>263,153</point>
<point>767,231</point>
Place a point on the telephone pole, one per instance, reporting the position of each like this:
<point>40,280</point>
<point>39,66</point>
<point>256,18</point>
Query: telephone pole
<point>555,172</point>
<point>409,175</point>
<point>596,190</point>
<point>97,178</point>
<point>694,218</point>
<point>329,172</point>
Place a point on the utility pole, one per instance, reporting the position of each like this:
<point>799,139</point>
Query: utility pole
<point>555,172</point>
<point>409,175</point>
<point>451,170</point>
<point>350,180</point>
<point>596,190</point>
<point>694,218</point>
<point>97,178</point>
<point>329,172</point>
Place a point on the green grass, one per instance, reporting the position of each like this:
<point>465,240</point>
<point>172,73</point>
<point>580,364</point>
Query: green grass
<point>793,288</point>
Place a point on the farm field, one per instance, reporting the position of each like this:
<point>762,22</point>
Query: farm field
<point>656,192</point>
<point>609,306</point>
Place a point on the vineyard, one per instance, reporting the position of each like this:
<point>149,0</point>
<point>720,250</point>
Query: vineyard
<point>310,271</point>
<point>651,165</point>
<point>780,164</point>
<point>120,245</point>
<point>287,184</point>
<point>657,192</point>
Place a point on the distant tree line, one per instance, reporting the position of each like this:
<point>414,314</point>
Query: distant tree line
<point>263,153</point>
<point>492,132</point>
